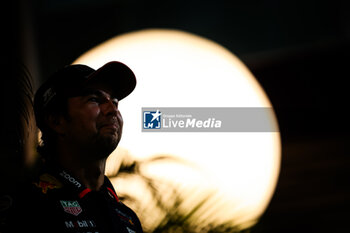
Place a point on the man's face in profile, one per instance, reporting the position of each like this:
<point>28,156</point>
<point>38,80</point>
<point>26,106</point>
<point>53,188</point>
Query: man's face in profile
<point>94,121</point>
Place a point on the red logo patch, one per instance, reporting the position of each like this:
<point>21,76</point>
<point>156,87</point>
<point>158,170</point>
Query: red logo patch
<point>47,182</point>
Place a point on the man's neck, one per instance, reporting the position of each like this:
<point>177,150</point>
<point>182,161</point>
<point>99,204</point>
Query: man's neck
<point>89,172</point>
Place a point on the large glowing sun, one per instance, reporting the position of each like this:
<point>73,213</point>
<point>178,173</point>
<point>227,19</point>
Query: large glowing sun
<point>179,69</point>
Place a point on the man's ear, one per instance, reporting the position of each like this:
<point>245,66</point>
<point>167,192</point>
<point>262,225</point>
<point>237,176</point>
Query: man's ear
<point>56,123</point>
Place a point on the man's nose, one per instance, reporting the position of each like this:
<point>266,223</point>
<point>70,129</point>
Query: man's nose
<point>110,107</point>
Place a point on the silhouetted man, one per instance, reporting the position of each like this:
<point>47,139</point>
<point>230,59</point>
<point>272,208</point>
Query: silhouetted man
<point>77,112</point>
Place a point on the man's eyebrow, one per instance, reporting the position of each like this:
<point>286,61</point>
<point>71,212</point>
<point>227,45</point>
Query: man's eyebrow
<point>92,91</point>
<point>89,91</point>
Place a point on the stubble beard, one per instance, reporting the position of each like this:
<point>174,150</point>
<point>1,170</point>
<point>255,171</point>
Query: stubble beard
<point>105,145</point>
<point>102,145</point>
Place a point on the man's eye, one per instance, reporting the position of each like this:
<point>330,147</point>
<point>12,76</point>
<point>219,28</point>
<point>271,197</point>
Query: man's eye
<point>93,99</point>
<point>115,102</point>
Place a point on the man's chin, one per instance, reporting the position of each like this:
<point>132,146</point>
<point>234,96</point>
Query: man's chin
<point>107,145</point>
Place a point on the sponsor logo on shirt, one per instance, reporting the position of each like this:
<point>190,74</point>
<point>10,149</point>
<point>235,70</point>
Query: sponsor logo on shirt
<point>71,207</point>
<point>47,182</point>
<point>69,178</point>
<point>80,224</point>
<point>124,217</point>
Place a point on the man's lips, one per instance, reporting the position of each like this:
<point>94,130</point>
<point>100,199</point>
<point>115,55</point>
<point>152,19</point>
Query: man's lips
<point>113,125</point>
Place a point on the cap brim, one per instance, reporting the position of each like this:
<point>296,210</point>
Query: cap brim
<point>117,76</point>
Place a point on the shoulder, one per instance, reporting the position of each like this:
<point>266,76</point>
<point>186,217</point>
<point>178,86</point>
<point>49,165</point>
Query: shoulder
<point>17,206</point>
<point>127,213</point>
<point>45,183</point>
<point>28,202</point>
<point>35,190</point>
<point>124,212</point>
<point>38,187</point>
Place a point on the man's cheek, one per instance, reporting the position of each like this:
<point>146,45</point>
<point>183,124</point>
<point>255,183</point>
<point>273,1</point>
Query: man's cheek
<point>120,119</point>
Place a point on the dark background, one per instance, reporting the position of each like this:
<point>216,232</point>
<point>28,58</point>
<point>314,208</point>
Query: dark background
<point>298,50</point>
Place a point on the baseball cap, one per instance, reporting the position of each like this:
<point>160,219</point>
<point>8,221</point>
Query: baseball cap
<point>71,80</point>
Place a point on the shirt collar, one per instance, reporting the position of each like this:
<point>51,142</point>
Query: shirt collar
<point>77,187</point>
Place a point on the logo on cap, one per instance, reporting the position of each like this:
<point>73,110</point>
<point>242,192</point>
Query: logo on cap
<point>48,95</point>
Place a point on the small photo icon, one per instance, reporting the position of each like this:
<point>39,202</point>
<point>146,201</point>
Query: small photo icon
<point>152,119</point>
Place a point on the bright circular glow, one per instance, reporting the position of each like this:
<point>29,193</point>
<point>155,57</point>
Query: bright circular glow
<point>179,69</point>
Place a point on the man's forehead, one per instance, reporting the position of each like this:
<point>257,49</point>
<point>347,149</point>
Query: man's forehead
<point>99,90</point>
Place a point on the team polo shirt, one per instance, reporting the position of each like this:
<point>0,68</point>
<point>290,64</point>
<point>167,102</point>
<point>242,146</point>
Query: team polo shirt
<point>57,202</point>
